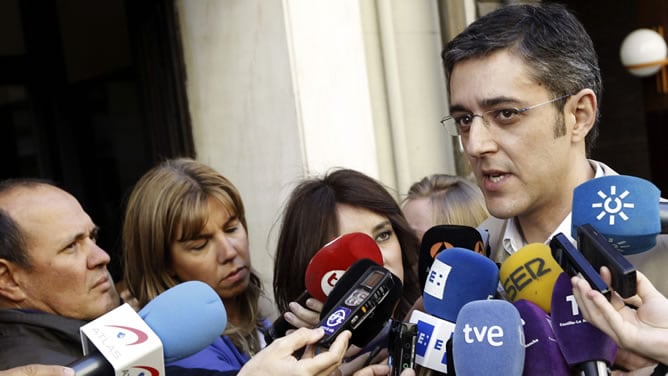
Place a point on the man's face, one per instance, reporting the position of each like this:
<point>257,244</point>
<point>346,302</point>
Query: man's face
<point>69,275</point>
<point>520,165</point>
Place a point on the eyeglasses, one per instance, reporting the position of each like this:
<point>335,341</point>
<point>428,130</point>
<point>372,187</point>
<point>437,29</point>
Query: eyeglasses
<point>458,124</point>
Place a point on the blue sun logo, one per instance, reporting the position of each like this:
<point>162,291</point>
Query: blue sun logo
<point>613,205</point>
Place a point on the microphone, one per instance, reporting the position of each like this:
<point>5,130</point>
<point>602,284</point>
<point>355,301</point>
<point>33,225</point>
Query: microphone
<point>488,339</point>
<point>583,345</point>
<point>334,258</point>
<point>626,210</point>
<point>457,277</point>
<point>178,323</point>
<point>542,353</point>
<point>441,237</point>
<point>326,268</point>
<point>530,274</point>
<point>362,301</point>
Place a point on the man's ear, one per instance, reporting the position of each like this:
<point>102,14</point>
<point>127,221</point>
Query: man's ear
<point>10,288</point>
<point>583,108</point>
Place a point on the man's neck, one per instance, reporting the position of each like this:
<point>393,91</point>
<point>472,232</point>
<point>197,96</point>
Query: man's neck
<point>537,226</point>
<point>538,230</point>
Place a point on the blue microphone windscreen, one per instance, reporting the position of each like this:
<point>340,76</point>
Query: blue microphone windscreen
<point>625,209</point>
<point>456,277</point>
<point>488,339</point>
<point>188,317</point>
<point>542,353</point>
<point>578,340</point>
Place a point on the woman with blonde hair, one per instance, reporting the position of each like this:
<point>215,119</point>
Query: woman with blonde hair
<point>442,199</point>
<point>185,221</point>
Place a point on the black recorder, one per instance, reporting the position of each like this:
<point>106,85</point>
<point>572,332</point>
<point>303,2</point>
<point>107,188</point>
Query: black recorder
<point>362,301</point>
<point>402,340</point>
<point>599,252</point>
<point>574,262</point>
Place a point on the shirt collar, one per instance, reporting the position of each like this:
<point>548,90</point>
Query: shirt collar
<point>513,239</point>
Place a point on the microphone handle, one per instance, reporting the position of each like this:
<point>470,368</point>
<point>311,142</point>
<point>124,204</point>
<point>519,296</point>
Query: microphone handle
<point>594,368</point>
<point>93,364</point>
<point>663,217</point>
<point>450,359</point>
<point>280,325</point>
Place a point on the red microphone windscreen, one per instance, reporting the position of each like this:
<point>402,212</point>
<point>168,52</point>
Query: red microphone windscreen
<point>334,258</point>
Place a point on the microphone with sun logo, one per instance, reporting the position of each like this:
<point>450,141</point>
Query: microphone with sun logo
<point>627,211</point>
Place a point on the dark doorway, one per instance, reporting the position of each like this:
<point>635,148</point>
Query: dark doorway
<point>91,96</point>
<point>633,115</point>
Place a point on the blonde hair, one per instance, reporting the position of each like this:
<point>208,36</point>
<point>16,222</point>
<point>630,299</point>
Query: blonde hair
<point>454,199</point>
<point>170,200</point>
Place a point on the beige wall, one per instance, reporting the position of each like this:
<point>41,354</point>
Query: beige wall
<point>279,90</point>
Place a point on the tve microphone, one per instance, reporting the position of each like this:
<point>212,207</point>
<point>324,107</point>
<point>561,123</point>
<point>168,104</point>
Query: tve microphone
<point>456,277</point>
<point>441,237</point>
<point>181,321</point>
<point>488,339</point>
<point>584,346</point>
<point>542,353</point>
<point>362,301</point>
<point>626,210</point>
<point>326,268</point>
<point>530,274</point>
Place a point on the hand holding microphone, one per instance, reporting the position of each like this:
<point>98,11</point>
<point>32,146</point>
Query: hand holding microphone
<point>643,330</point>
<point>278,359</point>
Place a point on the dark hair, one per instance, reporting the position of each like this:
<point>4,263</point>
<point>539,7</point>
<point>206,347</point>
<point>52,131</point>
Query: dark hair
<point>310,221</point>
<point>12,243</point>
<point>12,240</point>
<point>547,37</point>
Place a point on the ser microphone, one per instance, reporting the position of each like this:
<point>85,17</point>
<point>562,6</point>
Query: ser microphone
<point>585,347</point>
<point>186,318</point>
<point>362,301</point>
<point>456,277</point>
<point>488,339</point>
<point>324,270</point>
<point>441,237</point>
<point>542,353</point>
<point>628,211</point>
<point>530,274</point>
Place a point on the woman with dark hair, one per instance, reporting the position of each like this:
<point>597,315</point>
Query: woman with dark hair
<point>322,208</point>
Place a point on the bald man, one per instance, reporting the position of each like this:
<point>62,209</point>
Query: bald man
<point>53,275</point>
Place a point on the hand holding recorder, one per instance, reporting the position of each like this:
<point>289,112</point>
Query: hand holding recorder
<point>643,330</point>
<point>278,359</point>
